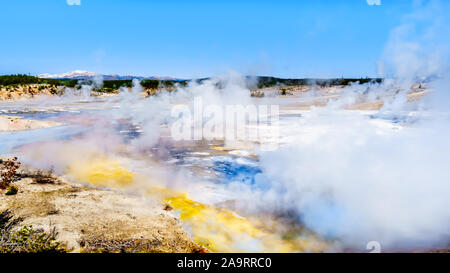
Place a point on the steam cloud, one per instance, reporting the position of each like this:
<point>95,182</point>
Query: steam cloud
<point>350,178</point>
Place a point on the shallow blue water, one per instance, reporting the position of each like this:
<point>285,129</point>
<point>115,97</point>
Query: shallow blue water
<point>235,170</point>
<point>396,118</point>
<point>10,140</point>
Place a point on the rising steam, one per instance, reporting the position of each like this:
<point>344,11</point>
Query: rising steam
<point>349,177</point>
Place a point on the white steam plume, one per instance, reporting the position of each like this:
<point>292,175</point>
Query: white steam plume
<point>349,178</point>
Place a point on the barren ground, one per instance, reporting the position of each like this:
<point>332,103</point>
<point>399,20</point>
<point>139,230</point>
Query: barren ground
<point>94,220</point>
<point>11,124</point>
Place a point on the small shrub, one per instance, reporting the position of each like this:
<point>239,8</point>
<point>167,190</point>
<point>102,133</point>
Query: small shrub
<point>8,172</point>
<point>12,190</point>
<point>7,221</point>
<point>257,94</point>
<point>43,177</point>
<point>26,239</point>
<point>168,207</point>
<point>53,91</point>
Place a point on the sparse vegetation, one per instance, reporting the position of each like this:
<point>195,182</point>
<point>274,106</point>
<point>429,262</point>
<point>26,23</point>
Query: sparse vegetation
<point>257,94</point>
<point>12,190</point>
<point>26,239</point>
<point>43,177</point>
<point>53,90</point>
<point>39,176</point>
<point>37,203</point>
<point>168,207</point>
<point>8,172</point>
<point>96,245</point>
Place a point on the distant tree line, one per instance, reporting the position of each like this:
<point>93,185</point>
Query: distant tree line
<point>272,81</point>
<point>147,84</point>
<point>6,80</point>
<point>265,81</point>
<point>111,85</point>
<point>107,86</point>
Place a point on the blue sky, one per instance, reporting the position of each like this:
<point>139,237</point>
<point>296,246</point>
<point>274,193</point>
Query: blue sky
<point>197,38</point>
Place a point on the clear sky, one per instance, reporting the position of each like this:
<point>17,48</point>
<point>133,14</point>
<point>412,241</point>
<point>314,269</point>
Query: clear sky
<point>310,38</point>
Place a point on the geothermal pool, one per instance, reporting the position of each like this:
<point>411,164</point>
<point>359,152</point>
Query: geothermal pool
<point>334,179</point>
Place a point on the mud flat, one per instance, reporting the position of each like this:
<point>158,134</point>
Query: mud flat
<point>90,219</point>
<point>12,124</point>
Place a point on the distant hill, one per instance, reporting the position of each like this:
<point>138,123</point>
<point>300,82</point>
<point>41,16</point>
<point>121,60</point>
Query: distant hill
<point>75,75</point>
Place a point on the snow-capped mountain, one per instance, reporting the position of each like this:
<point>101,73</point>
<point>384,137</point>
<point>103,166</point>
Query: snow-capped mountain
<point>77,74</point>
<point>86,75</point>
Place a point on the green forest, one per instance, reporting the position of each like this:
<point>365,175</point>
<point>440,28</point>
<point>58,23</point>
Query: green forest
<point>107,86</point>
<point>7,80</point>
<point>272,81</point>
